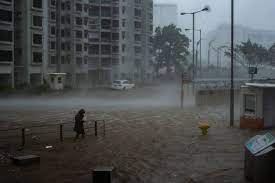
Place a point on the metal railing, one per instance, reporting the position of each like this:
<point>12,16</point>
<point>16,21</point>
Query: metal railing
<point>27,130</point>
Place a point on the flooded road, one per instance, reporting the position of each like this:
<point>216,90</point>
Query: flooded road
<point>148,139</point>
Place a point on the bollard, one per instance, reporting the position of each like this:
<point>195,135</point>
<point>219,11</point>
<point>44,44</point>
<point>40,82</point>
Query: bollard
<point>95,128</point>
<point>61,132</point>
<point>103,174</point>
<point>23,137</point>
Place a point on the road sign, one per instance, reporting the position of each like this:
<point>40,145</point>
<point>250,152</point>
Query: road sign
<point>259,143</point>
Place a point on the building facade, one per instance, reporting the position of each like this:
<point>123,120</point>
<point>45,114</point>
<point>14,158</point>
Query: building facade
<point>92,41</point>
<point>6,43</point>
<point>165,14</point>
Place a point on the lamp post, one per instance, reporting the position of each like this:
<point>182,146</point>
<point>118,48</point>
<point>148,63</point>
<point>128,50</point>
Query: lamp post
<point>193,14</point>
<point>199,30</point>
<point>232,67</point>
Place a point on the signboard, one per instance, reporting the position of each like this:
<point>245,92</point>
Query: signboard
<point>259,143</point>
<point>252,70</point>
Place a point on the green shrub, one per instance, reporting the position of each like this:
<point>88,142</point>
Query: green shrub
<point>6,89</point>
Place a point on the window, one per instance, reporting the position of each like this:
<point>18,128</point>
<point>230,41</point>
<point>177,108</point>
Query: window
<point>6,35</point>
<point>53,60</point>
<point>53,45</point>
<point>5,56</point>
<point>52,30</point>
<point>59,80</point>
<point>106,49</point>
<point>137,12</point>
<point>123,10</point>
<point>78,7</point>
<point>53,15</point>
<point>94,11</point>
<point>37,57</point>
<point>78,21</point>
<point>53,2</point>
<point>115,23</point>
<point>62,33</point>
<point>37,4</point>
<point>137,37</point>
<point>78,34</point>
<point>37,21</point>
<point>68,19</point>
<point>62,6</point>
<point>37,39</point>
<point>137,25</point>
<point>63,46</point>
<point>115,49</point>
<point>93,50</point>
<point>115,11</point>
<point>123,22</point>
<point>5,16</point>
<point>68,5</point>
<point>115,36</point>
<point>78,47</point>
<point>250,104</point>
<point>123,48</point>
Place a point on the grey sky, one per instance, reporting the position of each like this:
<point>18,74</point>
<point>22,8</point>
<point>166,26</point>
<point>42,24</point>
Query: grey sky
<point>258,14</point>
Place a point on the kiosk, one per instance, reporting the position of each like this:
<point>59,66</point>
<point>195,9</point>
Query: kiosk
<point>57,81</point>
<point>257,105</point>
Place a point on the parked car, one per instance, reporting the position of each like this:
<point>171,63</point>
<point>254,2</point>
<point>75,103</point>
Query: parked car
<point>122,85</point>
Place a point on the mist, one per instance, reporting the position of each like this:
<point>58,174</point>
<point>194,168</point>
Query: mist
<point>166,95</point>
<point>251,13</point>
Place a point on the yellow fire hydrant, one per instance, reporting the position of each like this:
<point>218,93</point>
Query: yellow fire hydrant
<point>204,127</point>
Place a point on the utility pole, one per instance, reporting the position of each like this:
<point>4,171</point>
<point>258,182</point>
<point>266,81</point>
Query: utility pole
<point>200,52</point>
<point>182,94</point>
<point>232,67</point>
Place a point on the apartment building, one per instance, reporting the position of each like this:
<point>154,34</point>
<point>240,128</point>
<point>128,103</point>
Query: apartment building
<point>6,43</point>
<point>92,41</point>
<point>136,39</point>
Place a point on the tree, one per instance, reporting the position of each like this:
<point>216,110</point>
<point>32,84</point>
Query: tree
<point>271,54</point>
<point>170,48</point>
<point>250,54</point>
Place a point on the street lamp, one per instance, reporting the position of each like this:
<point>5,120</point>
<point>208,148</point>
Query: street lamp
<point>199,30</point>
<point>193,14</point>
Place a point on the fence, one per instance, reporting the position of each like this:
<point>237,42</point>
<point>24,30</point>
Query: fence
<point>60,129</point>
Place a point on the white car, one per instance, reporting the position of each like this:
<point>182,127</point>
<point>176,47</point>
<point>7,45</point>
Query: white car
<point>122,85</point>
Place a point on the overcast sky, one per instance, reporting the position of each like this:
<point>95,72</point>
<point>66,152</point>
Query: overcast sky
<point>258,14</point>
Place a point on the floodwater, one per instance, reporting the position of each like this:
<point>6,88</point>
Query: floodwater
<point>148,138</point>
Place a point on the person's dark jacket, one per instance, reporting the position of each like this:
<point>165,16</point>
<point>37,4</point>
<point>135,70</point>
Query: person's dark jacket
<point>79,127</point>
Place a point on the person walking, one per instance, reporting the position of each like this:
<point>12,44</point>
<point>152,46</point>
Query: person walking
<point>79,127</point>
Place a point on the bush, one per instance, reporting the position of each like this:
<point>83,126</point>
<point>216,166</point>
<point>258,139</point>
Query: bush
<point>6,89</point>
<point>44,88</point>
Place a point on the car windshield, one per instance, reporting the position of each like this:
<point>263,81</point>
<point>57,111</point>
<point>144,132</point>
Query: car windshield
<point>117,82</point>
